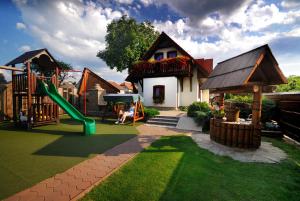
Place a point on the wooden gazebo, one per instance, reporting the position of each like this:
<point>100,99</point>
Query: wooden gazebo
<point>251,72</point>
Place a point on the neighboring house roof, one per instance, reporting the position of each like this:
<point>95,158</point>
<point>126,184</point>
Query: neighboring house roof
<point>257,65</point>
<point>128,85</point>
<point>67,85</point>
<point>115,84</point>
<point>91,79</point>
<point>37,56</point>
<point>206,64</point>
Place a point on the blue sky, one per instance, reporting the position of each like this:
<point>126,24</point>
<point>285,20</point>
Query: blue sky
<point>74,30</point>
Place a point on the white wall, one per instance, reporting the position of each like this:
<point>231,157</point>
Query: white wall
<point>170,84</point>
<point>187,97</point>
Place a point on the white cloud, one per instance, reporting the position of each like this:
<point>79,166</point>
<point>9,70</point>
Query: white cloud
<point>73,31</point>
<point>24,48</point>
<point>20,25</point>
<point>124,1</point>
<point>217,38</point>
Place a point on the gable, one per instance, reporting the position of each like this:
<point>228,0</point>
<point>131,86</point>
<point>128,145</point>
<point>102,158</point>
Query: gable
<point>255,66</point>
<point>89,79</point>
<point>162,42</point>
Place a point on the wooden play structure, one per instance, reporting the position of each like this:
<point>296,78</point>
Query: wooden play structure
<point>35,96</point>
<point>117,102</point>
<point>39,109</point>
<point>251,72</point>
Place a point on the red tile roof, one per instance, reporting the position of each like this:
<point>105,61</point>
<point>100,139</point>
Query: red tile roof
<point>206,64</point>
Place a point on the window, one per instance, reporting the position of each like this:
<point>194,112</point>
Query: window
<point>172,54</point>
<point>158,94</point>
<point>158,56</point>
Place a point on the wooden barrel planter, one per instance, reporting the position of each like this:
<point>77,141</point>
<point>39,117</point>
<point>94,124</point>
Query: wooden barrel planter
<point>233,134</point>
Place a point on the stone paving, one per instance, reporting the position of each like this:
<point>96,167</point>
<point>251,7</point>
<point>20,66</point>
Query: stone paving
<point>188,123</point>
<point>267,153</point>
<point>80,179</point>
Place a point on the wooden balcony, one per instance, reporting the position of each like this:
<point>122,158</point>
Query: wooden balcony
<point>179,67</point>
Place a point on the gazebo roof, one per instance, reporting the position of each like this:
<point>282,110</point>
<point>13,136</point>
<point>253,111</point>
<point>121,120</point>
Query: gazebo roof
<point>41,57</point>
<point>257,66</point>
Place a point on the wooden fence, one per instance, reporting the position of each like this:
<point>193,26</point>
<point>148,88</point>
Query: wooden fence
<point>289,107</point>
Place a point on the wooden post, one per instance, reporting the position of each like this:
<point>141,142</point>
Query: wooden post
<point>221,100</point>
<point>14,99</point>
<point>29,101</point>
<point>256,114</point>
<point>84,98</point>
<point>57,85</point>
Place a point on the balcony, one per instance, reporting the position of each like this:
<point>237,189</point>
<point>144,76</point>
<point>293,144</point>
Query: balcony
<point>179,67</point>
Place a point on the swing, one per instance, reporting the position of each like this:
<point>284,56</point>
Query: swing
<point>118,102</point>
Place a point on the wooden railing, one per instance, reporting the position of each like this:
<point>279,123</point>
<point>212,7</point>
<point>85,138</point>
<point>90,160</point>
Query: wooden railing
<point>44,112</point>
<point>19,82</point>
<point>169,67</point>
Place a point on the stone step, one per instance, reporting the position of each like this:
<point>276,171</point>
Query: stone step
<point>164,123</point>
<point>164,119</point>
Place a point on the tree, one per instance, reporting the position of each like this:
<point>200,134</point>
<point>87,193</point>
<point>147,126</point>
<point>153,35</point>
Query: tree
<point>292,85</point>
<point>65,67</point>
<point>127,40</point>
<point>2,79</point>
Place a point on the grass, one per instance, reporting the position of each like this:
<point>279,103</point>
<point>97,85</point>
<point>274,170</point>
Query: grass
<point>174,168</point>
<point>28,157</point>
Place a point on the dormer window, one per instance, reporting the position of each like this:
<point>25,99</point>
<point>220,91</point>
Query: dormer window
<point>172,54</point>
<point>158,56</point>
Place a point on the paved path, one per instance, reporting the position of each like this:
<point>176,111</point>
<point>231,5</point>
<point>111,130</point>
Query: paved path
<point>80,179</point>
<point>266,153</point>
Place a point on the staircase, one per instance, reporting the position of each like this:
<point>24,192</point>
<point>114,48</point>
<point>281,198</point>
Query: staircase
<point>164,121</point>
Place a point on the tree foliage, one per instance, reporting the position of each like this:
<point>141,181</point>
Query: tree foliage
<point>127,40</point>
<point>292,85</point>
<point>64,74</point>
<point>49,72</point>
<point>2,79</point>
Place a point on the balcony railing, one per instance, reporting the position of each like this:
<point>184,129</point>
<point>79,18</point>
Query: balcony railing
<point>179,66</point>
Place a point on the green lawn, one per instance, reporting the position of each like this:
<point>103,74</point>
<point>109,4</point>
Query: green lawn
<point>29,157</point>
<point>174,168</point>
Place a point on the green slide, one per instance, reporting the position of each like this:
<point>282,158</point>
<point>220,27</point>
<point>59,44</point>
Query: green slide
<point>88,123</point>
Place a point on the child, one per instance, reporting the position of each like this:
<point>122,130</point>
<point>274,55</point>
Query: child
<point>23,119</point>
<point>122,116</point>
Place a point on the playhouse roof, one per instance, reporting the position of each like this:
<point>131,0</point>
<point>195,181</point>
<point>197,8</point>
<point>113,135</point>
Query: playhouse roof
<point>257,66</point>
<point>92,79</point>
<point>41,56</point>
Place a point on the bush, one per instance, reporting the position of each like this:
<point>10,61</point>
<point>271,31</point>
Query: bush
<point>268,110</point>
<point>150,112</point>
<point>197,106</point>
<point>183,108</point>
<point>200,117</point>
<point>268,107</point>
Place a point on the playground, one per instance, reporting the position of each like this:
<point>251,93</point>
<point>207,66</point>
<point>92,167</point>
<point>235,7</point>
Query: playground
<point>35,155</point>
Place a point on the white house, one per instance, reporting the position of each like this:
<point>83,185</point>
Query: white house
<point>167,76</point>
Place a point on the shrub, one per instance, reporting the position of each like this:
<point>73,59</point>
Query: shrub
<point>200,117</point>
<point>150,112</point>
<point>268,107</point>
<point>203,119</point>
<point>183,108</point>
<point>197,106</point>
<point>268,110</point>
